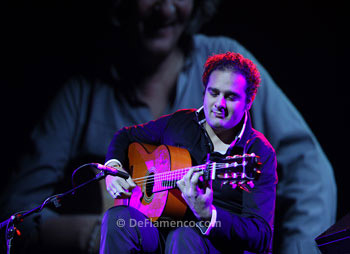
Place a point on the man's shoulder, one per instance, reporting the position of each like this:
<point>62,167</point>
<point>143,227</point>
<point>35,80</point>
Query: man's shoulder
<point>262,142</point>
<point>82,84</point>
<point>188,112</point>
<point>218,39</point>
<point>181,116</point>
<point>216,44</point>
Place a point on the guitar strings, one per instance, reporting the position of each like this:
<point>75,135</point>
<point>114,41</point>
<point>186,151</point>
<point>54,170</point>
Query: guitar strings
<point>171,176</point>
<point>210,166</point>
<point>164,175</point>
<point>172,172</point>
<point>179,172</point>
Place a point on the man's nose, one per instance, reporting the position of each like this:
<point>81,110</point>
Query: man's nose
<point>221,102</point>
<point>166,7</point>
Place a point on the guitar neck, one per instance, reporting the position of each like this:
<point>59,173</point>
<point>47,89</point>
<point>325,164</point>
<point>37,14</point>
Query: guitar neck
<point>167,180</point>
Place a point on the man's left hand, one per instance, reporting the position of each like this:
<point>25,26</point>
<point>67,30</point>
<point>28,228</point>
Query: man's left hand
<point>198,199</point>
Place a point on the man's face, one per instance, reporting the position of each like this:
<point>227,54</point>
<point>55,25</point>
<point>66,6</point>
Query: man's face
<point>225,99</point>
<point>161,23</point>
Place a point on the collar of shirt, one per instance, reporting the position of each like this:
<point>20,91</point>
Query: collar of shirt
<point>201,120</point>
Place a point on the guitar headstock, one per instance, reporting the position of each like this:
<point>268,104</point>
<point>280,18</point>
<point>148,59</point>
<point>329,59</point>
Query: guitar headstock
<point>238,170</point>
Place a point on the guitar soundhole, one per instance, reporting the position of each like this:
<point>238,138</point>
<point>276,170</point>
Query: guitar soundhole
<point>149,185</point>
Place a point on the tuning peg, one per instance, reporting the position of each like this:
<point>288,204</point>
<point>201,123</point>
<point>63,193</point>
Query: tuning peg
<point>242,182</point>
<point>233,185</point>
<point>251,184</point>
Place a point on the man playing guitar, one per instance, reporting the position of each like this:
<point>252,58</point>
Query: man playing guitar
<point>222,128</point>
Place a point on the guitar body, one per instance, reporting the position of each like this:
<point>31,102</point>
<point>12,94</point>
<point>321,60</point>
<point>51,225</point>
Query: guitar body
<point>156,169</point>
<point>150,198</point>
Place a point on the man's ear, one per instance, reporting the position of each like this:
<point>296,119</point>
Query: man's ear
<point>249,104</point>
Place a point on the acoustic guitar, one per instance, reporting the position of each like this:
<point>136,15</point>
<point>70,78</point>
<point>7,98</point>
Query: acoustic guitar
<point>156,169</point>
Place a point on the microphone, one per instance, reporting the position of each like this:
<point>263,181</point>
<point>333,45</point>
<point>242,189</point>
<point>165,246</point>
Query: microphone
<point>110,170</point>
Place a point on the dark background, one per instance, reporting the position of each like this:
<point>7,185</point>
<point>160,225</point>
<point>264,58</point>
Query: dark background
<point>45,42</point>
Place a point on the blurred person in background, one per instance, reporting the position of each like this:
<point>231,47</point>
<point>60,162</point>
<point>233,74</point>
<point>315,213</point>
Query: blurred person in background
<point>155,68</point>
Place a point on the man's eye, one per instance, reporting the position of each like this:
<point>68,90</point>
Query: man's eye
<point>213,93</point>
<point>232,98</point>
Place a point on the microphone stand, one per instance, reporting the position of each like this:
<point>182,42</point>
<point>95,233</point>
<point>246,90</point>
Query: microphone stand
<point>10,223</point>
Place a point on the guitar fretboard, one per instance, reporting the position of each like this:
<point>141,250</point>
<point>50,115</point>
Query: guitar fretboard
<point>167,180</point>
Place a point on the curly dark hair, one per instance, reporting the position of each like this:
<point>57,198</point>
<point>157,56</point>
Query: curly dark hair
<point>237,63</point>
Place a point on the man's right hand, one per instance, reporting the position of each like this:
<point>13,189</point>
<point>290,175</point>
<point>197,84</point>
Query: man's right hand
<point>118,187</point>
